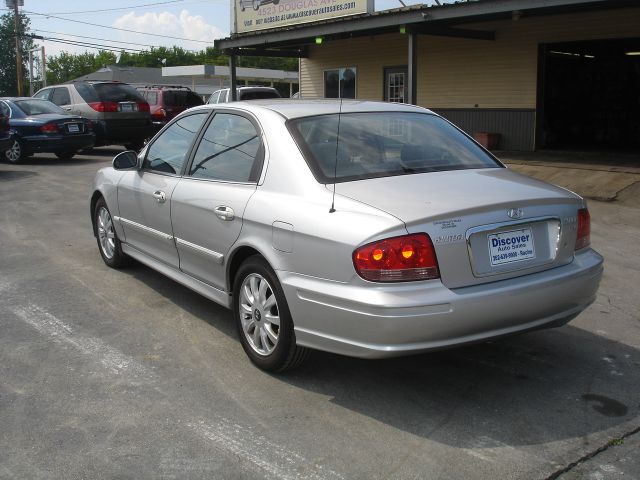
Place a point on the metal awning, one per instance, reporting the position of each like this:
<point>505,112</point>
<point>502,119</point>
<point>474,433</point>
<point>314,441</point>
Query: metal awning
<point>439,20</point>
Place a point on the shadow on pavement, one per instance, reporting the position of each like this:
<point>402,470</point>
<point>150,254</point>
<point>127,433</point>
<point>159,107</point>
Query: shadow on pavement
<point>536,388</point>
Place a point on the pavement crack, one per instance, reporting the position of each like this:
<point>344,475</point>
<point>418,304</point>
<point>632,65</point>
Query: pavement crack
<point>588,456</point>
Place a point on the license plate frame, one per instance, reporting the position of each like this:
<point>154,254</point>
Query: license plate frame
<point>511,246</point>
<point>73,128</point>
<point>127,107</point>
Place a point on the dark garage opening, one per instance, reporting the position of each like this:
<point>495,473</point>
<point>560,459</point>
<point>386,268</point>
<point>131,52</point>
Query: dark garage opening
<point>589,95</point>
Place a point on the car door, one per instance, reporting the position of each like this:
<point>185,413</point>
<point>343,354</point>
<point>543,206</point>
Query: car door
<point>144,195</point>
<point>207,205</point>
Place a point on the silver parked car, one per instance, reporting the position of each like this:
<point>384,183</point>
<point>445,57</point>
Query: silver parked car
<point>362,228</point>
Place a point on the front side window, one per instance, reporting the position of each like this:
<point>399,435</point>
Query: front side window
<point>44,94</point>
<point>340,83</point>
<point>169,151</point>
<point>230,150</point>
<point>355,146</point>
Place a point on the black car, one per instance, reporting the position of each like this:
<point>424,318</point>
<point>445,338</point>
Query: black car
<point>5,133</point>
<point>40,126</point>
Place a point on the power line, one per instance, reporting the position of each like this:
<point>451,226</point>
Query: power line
<point>97,46</point>
<point>115,9</point>
<point>115,28</point>
<point>97,38</point>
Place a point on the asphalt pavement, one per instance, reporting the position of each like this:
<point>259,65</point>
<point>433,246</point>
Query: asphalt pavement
<point>128,375</point>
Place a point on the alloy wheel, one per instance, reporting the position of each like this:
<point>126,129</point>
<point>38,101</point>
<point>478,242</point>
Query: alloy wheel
<point>259,314</point>
<point>106,233</point>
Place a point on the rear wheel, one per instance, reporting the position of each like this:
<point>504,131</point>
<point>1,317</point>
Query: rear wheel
<point>66,155</point>
<point>263,319</point>
<point>108,242</point>
<point>16,153</point>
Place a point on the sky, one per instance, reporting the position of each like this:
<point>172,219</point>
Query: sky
<point>195,24</point>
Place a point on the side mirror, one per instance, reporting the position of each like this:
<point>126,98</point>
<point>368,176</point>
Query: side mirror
<point>126,160</point>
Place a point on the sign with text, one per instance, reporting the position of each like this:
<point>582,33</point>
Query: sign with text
<point>251,15</point>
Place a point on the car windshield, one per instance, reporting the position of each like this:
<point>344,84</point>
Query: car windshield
<point>181,98</point>
<point>38,107</point>
<point>370,145</point>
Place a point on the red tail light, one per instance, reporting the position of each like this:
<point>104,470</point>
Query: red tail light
<point>397,259</point>
<point>143,107</point>
<point>104,107</point>
<point>583,239</point>
<point>49,128</point>
<point>160,114</point>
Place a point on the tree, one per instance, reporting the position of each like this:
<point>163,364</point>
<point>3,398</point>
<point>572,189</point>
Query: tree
<point>8,80</point>
<point>67,66</point>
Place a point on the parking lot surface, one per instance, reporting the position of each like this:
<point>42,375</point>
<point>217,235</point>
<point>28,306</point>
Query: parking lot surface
<point>128,375</point>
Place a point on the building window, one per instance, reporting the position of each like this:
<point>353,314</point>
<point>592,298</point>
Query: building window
<point>340,83</point>
<point>395,82</point>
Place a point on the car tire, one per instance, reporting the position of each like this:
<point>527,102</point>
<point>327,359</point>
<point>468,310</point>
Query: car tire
<point>108,242</point>
<point>16,153</point>
<point>66,155</point>
<point>135,146</point>
<point>265,326</point>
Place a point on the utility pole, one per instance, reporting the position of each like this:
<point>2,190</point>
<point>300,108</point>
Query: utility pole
<point>14,4</point>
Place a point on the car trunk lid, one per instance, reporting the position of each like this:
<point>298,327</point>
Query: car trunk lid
<point>486,224</point>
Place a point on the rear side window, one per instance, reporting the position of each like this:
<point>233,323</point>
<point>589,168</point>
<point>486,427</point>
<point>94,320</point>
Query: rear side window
<point>169,151</point>
<point>117,92</point>
<point>230,150</point>
<point>36,106</point>
<point>355,146</point>
<point>151,97</point>
<point>87,92</point>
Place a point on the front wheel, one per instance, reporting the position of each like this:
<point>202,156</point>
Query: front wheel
<point>108,242</point>
<point>263,319</point>
<point>16,153</point>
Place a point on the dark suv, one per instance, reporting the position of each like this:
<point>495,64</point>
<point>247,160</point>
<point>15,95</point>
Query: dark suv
<point>167,101</point>
<point>119,113</point>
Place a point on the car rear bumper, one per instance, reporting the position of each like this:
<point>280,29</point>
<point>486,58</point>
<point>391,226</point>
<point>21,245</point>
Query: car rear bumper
<point>383,320</point>
<point>123,131</point>
<point>58,143</point>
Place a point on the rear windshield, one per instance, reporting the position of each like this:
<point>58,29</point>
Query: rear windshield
<point>181,98</point>
<point>384,144</point>
<point>108,92</point>
<point>258,94</point>
<point>38,107</point>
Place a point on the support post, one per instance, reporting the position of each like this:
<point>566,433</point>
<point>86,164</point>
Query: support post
<point>18,53</point>
<point>31,73</point>
<point>44,69</point>
<point>412,70</point>
<point>232,76</point>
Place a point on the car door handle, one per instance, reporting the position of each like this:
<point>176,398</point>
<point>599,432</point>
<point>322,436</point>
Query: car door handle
<point>67,108</point>
<point>160,196</point>
<point>224,213</point>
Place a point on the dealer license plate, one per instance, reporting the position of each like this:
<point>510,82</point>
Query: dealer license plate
<point>511,246</point>
<point>73,128</point>
<point>128,107</point>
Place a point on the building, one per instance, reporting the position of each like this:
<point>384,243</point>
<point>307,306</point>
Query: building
<point>561,74</point>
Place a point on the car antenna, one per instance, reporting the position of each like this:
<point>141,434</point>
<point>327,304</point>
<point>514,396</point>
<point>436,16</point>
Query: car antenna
<point>335,165</point>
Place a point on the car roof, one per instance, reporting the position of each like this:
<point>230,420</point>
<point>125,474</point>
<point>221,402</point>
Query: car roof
<point>296,108</point>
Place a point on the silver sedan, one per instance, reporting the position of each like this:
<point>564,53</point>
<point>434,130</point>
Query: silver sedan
<point>361,228</point>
